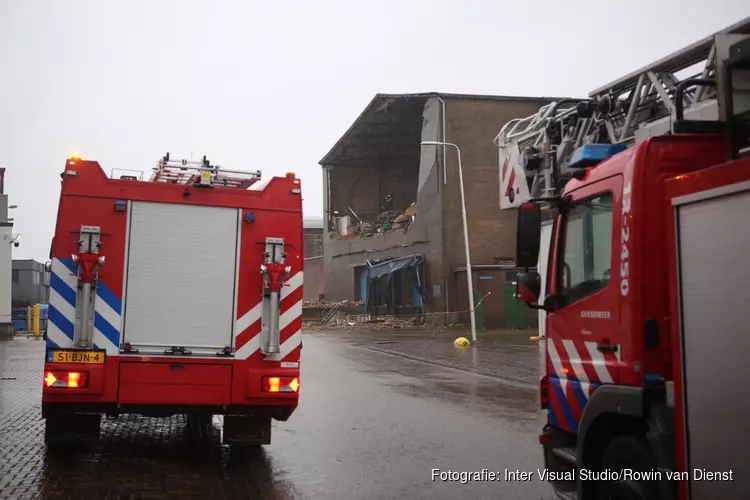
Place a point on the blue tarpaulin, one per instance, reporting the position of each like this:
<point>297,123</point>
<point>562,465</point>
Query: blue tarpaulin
<point>393,265</point>
<point>386,266</point>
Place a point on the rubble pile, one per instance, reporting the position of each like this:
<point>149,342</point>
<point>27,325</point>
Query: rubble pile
<point>322,303</point>
<point>364,322</point>
<point>395,323</point>
<point>389,220</point>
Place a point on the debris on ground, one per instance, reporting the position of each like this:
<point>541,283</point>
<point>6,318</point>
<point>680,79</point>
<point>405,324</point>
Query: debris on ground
<point>367,322</point>
<point>322,303</point>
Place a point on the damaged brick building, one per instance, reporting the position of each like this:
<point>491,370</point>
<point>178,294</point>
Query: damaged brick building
<point>392,208</point>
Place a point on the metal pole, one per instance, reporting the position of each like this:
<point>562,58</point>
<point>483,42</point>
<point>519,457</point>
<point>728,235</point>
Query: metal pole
<point>84,338</point>
<point>469,280</point>
<point>273,325</point>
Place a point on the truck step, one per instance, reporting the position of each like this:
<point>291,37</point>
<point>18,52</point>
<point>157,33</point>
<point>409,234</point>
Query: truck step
<point>567,455</point>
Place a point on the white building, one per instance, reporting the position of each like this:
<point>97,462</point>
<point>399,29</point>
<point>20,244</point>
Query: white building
<point>7,242</point>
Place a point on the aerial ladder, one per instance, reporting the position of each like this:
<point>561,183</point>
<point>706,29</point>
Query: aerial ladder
<point>534,152</point>
<point>649,230</point>
<point>201,174</point>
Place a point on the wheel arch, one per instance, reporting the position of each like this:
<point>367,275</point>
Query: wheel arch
<point>611,411</point>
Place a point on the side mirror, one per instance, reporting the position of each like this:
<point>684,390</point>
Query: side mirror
<point>48,266</point>
<point>528,234</point>
<point>528,286</point>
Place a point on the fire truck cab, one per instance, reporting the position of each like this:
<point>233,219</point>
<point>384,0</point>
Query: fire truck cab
<point>181,294</point>
<point>647,280</point>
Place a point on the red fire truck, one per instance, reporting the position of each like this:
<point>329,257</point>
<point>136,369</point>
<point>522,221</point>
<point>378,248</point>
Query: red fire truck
<point>647,280</point>
<point>177,295</point>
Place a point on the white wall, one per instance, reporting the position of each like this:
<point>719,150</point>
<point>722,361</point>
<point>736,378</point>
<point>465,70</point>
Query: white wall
<point>6,258</point>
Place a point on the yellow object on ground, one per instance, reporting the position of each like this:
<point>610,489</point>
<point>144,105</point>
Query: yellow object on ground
<point>536,337</point>
<point>37,322</point>
<point>461,341</point>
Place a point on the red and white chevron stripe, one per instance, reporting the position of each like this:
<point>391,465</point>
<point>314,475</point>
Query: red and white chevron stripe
<point>248,325</point>
<point>583,361</point>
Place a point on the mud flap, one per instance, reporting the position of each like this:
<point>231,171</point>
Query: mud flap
<point>72,429</point>
<point>243,430</point>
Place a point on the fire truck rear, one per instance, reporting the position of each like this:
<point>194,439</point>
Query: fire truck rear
<point>180,295</point>
<point>645,332</point>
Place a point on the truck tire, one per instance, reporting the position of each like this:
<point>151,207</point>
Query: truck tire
<point>628,451</point>
<point>71,430</point>
<point>54,435</point>
<point>199,420</point>
<point>199,426</point>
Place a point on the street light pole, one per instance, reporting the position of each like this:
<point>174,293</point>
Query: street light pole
<point>469,281</point>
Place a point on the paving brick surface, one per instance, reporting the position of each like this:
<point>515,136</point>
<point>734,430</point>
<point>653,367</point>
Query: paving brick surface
<point>136,458</point>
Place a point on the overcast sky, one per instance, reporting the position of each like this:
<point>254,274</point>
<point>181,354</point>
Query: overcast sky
<point>272,85</point>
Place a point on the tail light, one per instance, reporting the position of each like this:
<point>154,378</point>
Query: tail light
<point>280,384</point>
<point>543,392</point>
<point>71,380</point>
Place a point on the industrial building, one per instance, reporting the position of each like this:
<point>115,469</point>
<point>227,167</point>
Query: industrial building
<point>392,208</point>
<point>30,283</point>
<point>8,241</point>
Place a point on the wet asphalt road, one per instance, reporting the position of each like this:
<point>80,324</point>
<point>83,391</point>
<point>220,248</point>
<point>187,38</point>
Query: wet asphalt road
<point>370,425</point>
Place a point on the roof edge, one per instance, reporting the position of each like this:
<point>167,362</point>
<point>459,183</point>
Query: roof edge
<point>425,95</point>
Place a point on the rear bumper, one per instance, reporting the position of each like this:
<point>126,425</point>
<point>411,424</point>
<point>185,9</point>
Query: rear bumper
<point>162,387</point>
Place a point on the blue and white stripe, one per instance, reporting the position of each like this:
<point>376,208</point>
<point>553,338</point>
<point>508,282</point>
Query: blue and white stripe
<point>62,310</point>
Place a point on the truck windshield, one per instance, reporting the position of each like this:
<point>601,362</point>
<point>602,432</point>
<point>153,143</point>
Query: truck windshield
<point>588,248</point>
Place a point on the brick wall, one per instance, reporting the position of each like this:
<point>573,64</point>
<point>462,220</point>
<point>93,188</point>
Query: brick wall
<point>424,237</point>
<point>314,278</point>
<point>355,187</point>
<point>364,189</point>
<point>313,242</point>
<point>343,255</point>
<point>472,125</point>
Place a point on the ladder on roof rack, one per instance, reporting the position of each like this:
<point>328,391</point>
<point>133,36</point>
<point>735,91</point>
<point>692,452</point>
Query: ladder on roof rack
<point>637,106</point>
<point>201,173</point>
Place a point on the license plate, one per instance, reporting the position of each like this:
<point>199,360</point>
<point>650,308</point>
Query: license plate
<point>92,357</point>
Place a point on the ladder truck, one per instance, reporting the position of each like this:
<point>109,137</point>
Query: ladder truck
<point>177,295</point>
<point>647,185</point>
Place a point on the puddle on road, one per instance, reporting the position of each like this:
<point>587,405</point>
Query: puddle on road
<point>507,399</point>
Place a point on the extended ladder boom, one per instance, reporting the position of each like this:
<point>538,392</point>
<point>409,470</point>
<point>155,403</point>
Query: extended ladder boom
<point>535,150</point>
